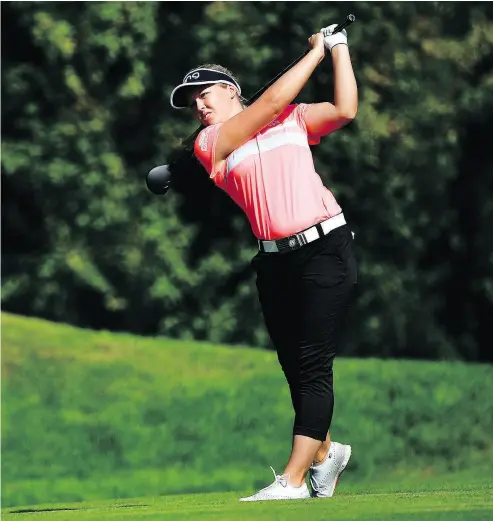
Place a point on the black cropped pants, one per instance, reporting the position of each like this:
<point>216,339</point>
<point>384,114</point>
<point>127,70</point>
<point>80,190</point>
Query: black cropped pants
<point>304,295</point>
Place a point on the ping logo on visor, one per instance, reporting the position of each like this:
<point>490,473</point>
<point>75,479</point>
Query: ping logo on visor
<point>191,77</point>
<point>197,77</point>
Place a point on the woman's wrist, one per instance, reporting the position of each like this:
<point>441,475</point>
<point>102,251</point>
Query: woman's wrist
<point>318,53</point>
<point>339,50</point>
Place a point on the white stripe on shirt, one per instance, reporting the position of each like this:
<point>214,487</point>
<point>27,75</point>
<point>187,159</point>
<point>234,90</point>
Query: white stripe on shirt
<point>254,147</point>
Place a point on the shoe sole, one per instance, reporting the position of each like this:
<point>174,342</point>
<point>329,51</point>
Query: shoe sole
<point>244,500</point>
<point>345,461</point>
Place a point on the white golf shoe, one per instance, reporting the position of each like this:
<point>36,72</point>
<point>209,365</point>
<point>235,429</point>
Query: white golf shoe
<point>324,477</point>
<point>279,490</point>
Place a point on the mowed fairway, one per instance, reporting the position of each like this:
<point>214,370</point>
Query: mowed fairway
<point>471,503</point>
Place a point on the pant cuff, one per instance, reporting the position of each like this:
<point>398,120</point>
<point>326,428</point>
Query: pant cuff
<point>310,433</point>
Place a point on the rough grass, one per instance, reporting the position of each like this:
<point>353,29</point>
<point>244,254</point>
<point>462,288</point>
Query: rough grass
<point>92,415</point>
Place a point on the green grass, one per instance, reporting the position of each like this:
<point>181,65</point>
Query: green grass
<point>472,503</point>
<point>92,415</point>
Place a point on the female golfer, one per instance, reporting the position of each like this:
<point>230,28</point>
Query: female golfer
<point>305,266</point>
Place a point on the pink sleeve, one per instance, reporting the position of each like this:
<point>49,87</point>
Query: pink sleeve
<point>205,148</point>
<point>299,114</point>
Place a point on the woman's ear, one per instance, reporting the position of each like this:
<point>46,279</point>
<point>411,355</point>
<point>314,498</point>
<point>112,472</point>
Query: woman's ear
<point>232,92</point>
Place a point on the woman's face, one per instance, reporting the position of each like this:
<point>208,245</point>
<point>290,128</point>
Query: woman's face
<point>211,104</point>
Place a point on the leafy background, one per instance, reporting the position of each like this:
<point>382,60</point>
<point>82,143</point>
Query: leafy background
<point>86,114</point>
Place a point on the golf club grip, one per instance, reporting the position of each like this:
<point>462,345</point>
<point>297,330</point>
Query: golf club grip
<point>350,18</point>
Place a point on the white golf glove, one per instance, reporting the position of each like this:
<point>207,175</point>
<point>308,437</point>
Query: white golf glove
<point>331,40</point>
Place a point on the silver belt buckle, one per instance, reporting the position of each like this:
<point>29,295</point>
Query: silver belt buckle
<point>293,242</point>
<point>296,241</point>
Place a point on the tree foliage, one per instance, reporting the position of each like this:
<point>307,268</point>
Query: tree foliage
<point>85,92</point>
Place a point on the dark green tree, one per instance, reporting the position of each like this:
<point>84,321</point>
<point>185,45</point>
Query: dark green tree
<point>85,90</point>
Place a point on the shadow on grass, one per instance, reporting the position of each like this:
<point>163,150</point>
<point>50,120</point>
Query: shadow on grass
<point>34,510</point>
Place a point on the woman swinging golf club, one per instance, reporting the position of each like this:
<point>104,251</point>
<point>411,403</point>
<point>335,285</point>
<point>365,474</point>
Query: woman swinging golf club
<point>305,267</point>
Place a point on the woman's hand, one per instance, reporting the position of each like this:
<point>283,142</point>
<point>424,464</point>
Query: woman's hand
<point>331,40</point>
<point>316,42</point>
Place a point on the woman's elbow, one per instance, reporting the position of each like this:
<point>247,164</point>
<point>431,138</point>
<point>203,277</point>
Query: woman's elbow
<point>270,108</point>
<point>348,113</point>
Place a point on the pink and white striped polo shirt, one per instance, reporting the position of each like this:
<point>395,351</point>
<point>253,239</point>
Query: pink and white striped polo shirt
<point>272,177</point>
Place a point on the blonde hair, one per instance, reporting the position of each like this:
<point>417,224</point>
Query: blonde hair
<point>220,68</point>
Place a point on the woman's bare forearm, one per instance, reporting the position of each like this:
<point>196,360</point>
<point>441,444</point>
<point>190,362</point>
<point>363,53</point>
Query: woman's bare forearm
<point>289,85</point>
<point>345,88</point>
<point>273,101</point>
